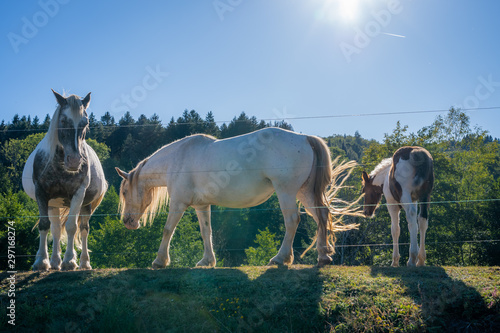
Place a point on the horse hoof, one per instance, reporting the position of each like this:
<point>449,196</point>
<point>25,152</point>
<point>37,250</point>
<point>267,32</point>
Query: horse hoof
<point>206,263</point>
<point>274,262</point>
<point>69,266</point>
<point>55,264</point>
<point>42,265</point>
<point>85,267</point>
<point>157,266</point>
<point>324,261</point>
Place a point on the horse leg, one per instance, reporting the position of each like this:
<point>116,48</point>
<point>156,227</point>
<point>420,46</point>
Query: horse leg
<point>393,209</point>
<point>422,224</point>
<point>290,212</point>
<point>320,216</point>
<point>84,232</point>
<point>55,229</point>
<point>176,211</point>
<point>411,218</point>
<point>42,256</point>
<point>203,213</point>
<point>69,261</point>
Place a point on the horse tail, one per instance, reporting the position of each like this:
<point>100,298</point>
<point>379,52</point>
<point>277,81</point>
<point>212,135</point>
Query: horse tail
<point>423,163</point>
<point>64,235</point>
<point>322,169</point>
<point>421,160</point>
<point>322,172</point>
<point>329,178</point>
<point>64,213</point>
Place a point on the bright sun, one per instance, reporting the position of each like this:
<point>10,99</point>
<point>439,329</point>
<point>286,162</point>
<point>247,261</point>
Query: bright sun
<point>340,10</point>
<point>348,9</point>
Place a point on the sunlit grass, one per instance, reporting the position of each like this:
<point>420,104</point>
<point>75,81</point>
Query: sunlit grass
<point>300,298</point>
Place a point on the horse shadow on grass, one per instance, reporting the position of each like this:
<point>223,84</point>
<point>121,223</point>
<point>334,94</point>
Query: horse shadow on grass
<point>447,304</point>
<point>247,299</point>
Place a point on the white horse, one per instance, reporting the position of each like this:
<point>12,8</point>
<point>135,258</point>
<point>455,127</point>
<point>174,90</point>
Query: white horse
<point>404,179</point>
<point>64,175</point>
<point>243,171</point>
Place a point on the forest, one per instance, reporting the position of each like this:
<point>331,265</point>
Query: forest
<point>464,223</point>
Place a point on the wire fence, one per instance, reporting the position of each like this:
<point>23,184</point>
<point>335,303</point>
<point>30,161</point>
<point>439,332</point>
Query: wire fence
<point>427,244</point>
<point>228,210</point>
<point>291,118</point>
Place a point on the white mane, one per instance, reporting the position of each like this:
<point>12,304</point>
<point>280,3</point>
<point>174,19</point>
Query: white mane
<point>75,105</point>
<point>381,166</point>
<point>379,174</point>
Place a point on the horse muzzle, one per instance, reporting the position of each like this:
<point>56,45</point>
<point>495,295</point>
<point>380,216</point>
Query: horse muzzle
<point>130,223</point>
<point>369,212</point>
<point>72,162</point>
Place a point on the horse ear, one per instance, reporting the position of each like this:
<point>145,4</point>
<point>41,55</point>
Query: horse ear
<point>60,100</point>
<point>366,178</point>
<point>122,174</point>
<point>86,101</point>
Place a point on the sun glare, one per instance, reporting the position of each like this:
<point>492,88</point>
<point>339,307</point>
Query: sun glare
<point>348,9</point>
<point>340,10</point>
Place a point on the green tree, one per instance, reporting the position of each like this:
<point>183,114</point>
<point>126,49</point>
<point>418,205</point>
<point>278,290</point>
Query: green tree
<point>19,212</point>
<point>14,153</point>
<point>100,149</point>
<point>267,248</point>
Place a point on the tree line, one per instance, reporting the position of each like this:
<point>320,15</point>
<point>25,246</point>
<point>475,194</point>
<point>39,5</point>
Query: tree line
<point>464,216</point>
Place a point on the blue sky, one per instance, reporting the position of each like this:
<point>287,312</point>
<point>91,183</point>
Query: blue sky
<point>270,59</point>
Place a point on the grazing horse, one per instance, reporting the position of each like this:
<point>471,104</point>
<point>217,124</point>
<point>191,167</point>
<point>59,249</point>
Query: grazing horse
<point>243,171</point>
<point>64,175</point>
<point>404,179</point>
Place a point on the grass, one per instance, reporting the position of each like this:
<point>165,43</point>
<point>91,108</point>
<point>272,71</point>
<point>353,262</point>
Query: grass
<point>257,299</point>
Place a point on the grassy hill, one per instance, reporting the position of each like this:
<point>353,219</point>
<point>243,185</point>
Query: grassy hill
<point>256,299</point>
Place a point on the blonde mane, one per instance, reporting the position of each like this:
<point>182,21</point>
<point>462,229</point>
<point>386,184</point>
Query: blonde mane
<point>159,196</point>
<point>75,105</point>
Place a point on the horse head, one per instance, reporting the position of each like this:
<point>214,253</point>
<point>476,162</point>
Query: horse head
<point>135,201</point>
<point>72,124</point>
<point>373,194</point>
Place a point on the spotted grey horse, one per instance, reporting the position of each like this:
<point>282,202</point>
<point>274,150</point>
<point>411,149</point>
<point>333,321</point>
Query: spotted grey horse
<point>64,175</point>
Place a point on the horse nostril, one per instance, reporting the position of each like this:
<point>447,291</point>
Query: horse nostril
<point>72,162</point>
<point>128,219</point>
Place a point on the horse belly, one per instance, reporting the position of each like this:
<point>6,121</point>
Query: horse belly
<point>238,191</point>
<point>27,177</point>
<point>58,203</point>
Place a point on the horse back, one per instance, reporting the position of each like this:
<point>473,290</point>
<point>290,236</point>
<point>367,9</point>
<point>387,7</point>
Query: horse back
<point>423,180</point>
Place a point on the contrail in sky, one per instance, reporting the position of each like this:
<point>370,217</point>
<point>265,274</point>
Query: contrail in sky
<point>394,35</point>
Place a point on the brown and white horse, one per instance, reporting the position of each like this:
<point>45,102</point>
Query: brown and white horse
<point>404,180</point>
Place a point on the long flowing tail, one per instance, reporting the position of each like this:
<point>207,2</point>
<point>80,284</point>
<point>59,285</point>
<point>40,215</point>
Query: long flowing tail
<point>323,172</point>
<point>339,207</point>
<point>329,180</point>
<point>64,213</point>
